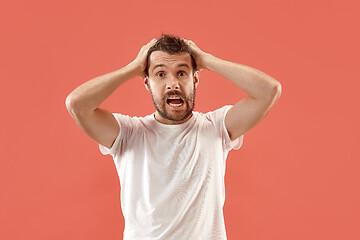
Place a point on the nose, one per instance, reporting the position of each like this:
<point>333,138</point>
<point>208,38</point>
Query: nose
<point>172,83</point>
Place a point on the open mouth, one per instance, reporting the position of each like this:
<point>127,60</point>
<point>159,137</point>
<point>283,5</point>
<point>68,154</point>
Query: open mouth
<point>175,101</point>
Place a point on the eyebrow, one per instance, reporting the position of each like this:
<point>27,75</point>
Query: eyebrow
<point>183,65</point>
<point>158,65</point>
<point>179,65</point>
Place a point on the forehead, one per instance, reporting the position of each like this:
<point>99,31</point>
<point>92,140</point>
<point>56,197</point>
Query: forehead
<point>160,57</point>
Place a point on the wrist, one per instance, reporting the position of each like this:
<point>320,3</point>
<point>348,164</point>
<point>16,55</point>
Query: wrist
<point>206,61</point>
<point>136,68</point>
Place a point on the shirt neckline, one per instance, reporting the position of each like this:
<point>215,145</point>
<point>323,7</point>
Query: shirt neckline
<point>191,119</point>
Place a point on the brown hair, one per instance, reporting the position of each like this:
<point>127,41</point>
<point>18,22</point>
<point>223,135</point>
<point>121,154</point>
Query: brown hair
<point>170,44</point>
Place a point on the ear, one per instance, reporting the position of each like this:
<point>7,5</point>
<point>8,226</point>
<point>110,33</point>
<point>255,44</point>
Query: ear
<point>196,78</point>
<point>146,83</point>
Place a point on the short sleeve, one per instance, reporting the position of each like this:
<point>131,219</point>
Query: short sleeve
<point>235,144</point>
<point>218,117</point>
<point>124,122</point>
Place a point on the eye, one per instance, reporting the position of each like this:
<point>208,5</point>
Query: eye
<point>182,74</point>
<point>160,74</point>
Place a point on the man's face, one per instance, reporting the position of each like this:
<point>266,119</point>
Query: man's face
<point>172,86</point>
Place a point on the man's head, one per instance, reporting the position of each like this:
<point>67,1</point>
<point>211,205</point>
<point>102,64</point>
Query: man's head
<point>171,78</point>
<point>171,45</point>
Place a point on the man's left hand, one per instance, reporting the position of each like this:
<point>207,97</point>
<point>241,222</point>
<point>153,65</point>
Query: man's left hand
<point>199,55</point>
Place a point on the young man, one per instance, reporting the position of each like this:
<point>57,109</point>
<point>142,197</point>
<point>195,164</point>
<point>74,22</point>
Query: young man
<point>171,163</point>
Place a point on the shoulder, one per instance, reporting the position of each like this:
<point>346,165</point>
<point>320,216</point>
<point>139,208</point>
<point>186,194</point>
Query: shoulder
<point>133,121</point>
<point>217,113</point>
<point>125,117</point>
<point>213,118</point>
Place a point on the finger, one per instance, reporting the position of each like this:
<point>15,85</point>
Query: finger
<point>186,41</point>
<point>151,42</point>
<point>190,43</point>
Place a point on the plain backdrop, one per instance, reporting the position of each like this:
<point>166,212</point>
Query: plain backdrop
<point>295,177</point>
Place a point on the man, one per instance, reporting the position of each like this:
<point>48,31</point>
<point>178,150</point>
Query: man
<point>171,163</point>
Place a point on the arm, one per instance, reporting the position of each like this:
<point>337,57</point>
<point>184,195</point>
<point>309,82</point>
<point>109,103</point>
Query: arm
<point>83,103</point>
<point>263,91</point>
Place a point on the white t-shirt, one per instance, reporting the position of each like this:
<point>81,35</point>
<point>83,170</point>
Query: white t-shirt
<point>172,176</point>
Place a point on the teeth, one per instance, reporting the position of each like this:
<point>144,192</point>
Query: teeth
<point>174,97</point>
<point>175,105</point>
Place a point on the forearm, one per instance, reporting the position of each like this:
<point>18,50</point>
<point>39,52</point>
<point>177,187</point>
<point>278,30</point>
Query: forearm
<point>254,82</point>
<point>88,96</point>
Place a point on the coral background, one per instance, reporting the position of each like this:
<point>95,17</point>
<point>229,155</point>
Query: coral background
<point>295,177</point>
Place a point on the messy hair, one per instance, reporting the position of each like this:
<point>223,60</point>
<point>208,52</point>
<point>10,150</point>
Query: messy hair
<point>170,44</point>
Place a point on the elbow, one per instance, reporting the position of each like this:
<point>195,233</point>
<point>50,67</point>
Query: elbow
<point>68,102</point>
<point>71,104</point>
<point>276,92</point>
<point>277,89</point>
<point>76,106</point>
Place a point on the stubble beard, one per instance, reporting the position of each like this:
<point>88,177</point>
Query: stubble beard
<point>189,101</point>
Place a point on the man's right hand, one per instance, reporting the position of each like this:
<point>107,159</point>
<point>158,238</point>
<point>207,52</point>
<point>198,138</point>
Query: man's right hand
<point>140,60</point>
<point>83,103</point>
